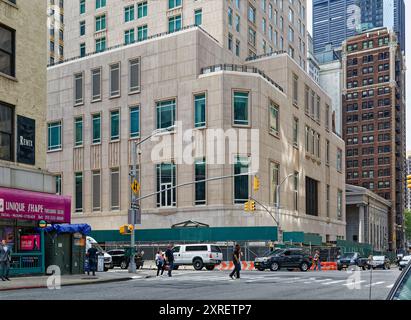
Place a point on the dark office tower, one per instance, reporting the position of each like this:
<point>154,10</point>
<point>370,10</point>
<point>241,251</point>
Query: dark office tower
<point>336,20</point>
<point>374,120</point>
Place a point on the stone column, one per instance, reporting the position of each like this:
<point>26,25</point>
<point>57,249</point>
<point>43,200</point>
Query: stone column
<point>361,237</point>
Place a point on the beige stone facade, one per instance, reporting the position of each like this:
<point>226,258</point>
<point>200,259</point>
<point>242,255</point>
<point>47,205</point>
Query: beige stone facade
<point>279,25</point>
<point>179,66</point>
<point>24,89</point>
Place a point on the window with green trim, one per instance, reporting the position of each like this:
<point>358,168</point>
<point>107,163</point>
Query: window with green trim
<point>129,13</point>
<point>174,4</point>
<point>54,136</point>
<point>198,17</point>
<point>101,23</point>
<point>101,44</point>
<point>166,114</point>
<point>100,4</point>
<point>142,33</point>
<point>82,6</point>
<point>114,125</point>
<point>200,187</point>
<point>241,182</point>
<point>142,9</point>
<point>200,110</point>
<point>96,128</point>
<point>78,131</point>
<point>129,36</point>
<point>134,122</point>
<point>174,23</point>
<point>240,106</point>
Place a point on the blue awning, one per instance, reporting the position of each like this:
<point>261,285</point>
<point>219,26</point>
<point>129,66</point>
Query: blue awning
<point>69,228</point>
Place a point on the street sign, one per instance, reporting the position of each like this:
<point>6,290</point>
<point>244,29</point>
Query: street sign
<point>135,186</point>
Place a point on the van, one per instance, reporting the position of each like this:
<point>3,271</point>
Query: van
<point>198,255</point>
<point>108,261</point>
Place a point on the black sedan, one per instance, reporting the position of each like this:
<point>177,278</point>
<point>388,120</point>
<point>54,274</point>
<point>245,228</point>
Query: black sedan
<point>284,258</point>
<point>122,260</point>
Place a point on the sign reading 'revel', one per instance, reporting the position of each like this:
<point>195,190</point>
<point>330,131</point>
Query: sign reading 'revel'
<point>28,205</point>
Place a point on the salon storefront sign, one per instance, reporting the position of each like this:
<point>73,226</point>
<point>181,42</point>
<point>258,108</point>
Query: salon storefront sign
<point>28,205</point>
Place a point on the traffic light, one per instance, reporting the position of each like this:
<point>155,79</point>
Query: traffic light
<point>249,205</point>
<point>126,229</point>
<point>252,205</point>
<point>256,183</point>
<point>409,181</point>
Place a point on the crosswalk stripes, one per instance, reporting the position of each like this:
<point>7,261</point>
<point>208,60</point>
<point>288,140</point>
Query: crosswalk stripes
<point>210,277</point>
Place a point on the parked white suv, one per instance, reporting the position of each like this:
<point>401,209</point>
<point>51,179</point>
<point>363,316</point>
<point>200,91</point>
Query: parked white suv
<point>199,255</point>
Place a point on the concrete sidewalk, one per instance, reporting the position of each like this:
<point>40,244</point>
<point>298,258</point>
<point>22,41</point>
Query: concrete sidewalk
<point>35,282</point>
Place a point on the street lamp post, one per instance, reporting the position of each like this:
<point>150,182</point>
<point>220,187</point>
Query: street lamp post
<point>277,207</point>
<point>134,206</point>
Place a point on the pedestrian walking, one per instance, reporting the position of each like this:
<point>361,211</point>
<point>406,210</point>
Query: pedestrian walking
<point>5,259</point>
<point>92,260</point>
<point>237,262</point>
<point>170,259</point>
<point>317,261</point>
<point>160,263</point>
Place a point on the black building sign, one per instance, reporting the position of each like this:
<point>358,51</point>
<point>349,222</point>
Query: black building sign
<point>26,147</point>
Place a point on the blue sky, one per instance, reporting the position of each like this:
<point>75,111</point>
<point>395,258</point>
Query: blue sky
<point>408,59</point>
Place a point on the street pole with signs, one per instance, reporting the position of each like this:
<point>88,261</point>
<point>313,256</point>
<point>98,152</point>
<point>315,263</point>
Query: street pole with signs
<point>135,188</point>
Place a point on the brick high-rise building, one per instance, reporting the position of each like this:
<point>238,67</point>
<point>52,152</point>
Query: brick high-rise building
<point>374,119</point>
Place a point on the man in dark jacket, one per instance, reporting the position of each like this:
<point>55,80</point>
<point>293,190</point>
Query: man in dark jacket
<point>92,260</point>
<point>5,259</point>
<point>170,259</point>
<point>236,262</point>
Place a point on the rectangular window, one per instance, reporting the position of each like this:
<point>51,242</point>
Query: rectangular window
<point>96,190</point>
<point>339,204</point>
<point>174,4</point>
<point>100,44</point>
<point>307,100</point>
<point>142,33</point>
<point>78,192</point>
<point>241,182</point>
<point>82,6</point>
<point>295,89</point>
<point>327,205</point>
<point>58,184</point>
<point>318,145</point>
<point>54,136</point>
<point>78,131</point>
<point>327,116</point>
<point>82,28</point>
<point>114,125</point>
<point>200,110</point>
<point>274,118</point>
<point>295,132</point>
<point>166,181</point>
<point>134,122</point>
<point>166,114</point>
<point>129,36</point>
<point>96,128</point>
<point>82,50</point>
<point>7,133</point>
<point>311,198</point>
<point>129,13</point>
<point>100,4</point>
<point>240,108</point>
<point>339,160</point>
<point>200,187</point>
<point>174,24</point>
<point>115,189</point>
<point>96,84</point>
<point>134,76</point>
<point>327,152</point>
<point>115,80</point>
<point>101,23</point>
<point>295,191</point>
<point>78,89</point>
<point>274,181</point>
<point>198,17</point>
<point>142,9</point>
<point>318,109</point>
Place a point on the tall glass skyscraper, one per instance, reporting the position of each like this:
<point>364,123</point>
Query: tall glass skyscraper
<point>336,20</point>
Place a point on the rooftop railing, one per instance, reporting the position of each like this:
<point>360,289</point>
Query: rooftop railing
<point>155,36</point>
<point>240,68</point>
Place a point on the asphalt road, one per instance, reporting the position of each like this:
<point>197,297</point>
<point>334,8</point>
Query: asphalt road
<point>216,285</point>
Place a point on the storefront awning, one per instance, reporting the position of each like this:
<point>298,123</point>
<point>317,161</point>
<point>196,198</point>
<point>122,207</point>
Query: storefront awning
<point>37,206</point>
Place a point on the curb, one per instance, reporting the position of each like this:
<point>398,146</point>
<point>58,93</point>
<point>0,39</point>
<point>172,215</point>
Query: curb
<point>72,284</point>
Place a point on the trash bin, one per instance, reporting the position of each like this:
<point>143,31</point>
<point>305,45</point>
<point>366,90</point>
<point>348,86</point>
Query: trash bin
<point>100,263</point>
